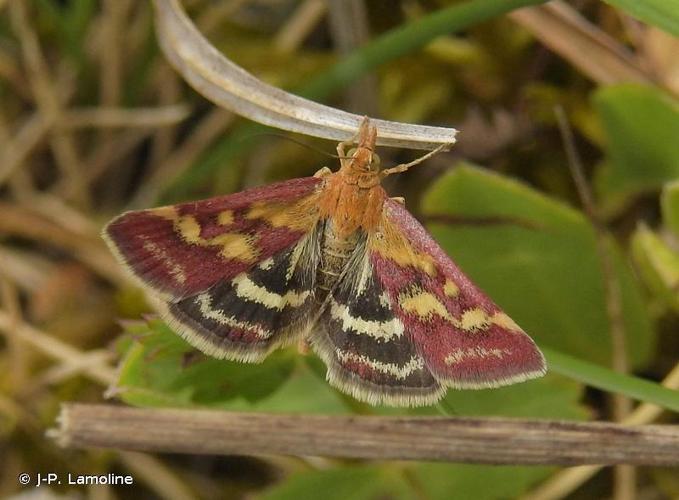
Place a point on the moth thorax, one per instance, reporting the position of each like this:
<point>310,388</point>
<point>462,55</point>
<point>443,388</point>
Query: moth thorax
<point>335,255</point>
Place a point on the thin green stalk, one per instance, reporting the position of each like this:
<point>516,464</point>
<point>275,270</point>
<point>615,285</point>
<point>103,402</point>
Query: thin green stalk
<point>406,39</point>
<point>608,380</point>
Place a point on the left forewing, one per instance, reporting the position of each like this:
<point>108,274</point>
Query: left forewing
<point>233,275</point>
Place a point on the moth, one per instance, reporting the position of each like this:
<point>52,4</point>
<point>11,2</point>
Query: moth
<point>333,261</point>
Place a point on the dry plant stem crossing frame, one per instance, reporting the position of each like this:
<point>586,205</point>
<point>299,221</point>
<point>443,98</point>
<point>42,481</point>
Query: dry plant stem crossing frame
<point>233,88</point>
<point>469,440</point>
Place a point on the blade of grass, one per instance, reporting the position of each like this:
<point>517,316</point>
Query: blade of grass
<point>596,54</point>
<point>408,38</point>
<point>608,380</point>
<point>662,13</point>
<point>393,44</point>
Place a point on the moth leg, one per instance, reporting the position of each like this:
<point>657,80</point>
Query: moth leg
<point>323,172</point>
<point>340,150</point>
<point>399,199</point>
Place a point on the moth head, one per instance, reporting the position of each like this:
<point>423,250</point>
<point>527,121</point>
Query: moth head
<point>365,160</point>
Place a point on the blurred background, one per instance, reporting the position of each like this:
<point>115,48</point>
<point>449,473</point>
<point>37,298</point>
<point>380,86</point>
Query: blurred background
<point>94,121</point>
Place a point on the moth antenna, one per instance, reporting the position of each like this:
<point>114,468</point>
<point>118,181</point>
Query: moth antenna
<point>297,141</point>
<point>405,166</point>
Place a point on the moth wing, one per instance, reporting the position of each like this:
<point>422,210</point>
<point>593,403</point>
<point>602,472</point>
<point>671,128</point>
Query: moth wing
<point>467,342</point>
<point>233,275</point>
<point>179,250</point>
<point>364,344</point>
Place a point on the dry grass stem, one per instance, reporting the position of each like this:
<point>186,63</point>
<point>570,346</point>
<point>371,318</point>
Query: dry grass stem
<point>18,355</point>
<point>103,158</point>
<point>231,87</point>
<point>165,137</point>
<point>10,72</point>
<point>27,270</point>
<point>47,99</point>
<point>54,209</point>
<point>350,30</point>
<point>30,133</point>
<point>468,440</point>
<point>112,27</point>
<point>561,28</point>
<point>214,14</point>
<point>213,125</point>
<point>161,116</point>
<point>299,25</point>
<point>56,349</point>
<point>158,476</point>
<point>90,250</point>
<point>67,369</point>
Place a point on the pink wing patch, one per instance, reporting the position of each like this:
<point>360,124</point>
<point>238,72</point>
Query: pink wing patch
<point>467,342</point>
<point>181,250</point>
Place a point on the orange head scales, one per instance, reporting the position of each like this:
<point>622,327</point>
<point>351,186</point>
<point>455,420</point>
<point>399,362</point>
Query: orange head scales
<point>352,197</point>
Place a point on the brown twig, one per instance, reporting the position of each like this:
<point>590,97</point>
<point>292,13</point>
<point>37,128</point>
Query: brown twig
<point>624,476</point>
<point>471,440</point>
<point>565,482</point>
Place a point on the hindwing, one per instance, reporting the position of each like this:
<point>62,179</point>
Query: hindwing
<point>366,347</point>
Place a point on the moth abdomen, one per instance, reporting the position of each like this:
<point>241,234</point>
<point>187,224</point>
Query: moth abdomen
<point>336,253</point>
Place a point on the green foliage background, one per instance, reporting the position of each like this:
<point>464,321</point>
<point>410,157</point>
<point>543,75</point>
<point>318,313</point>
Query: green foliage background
<point>502,204</point>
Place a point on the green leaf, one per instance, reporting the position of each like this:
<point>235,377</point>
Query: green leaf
<point>552,396</point>
<point>345,483</point>
<point>161,369</point>
<point>537,259</point>
<point>669,203</point>
<point>658,265</point>
<point>480,482</point>
<point>303,392</point>
<point>641,125</point>
<point>661,13</point>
